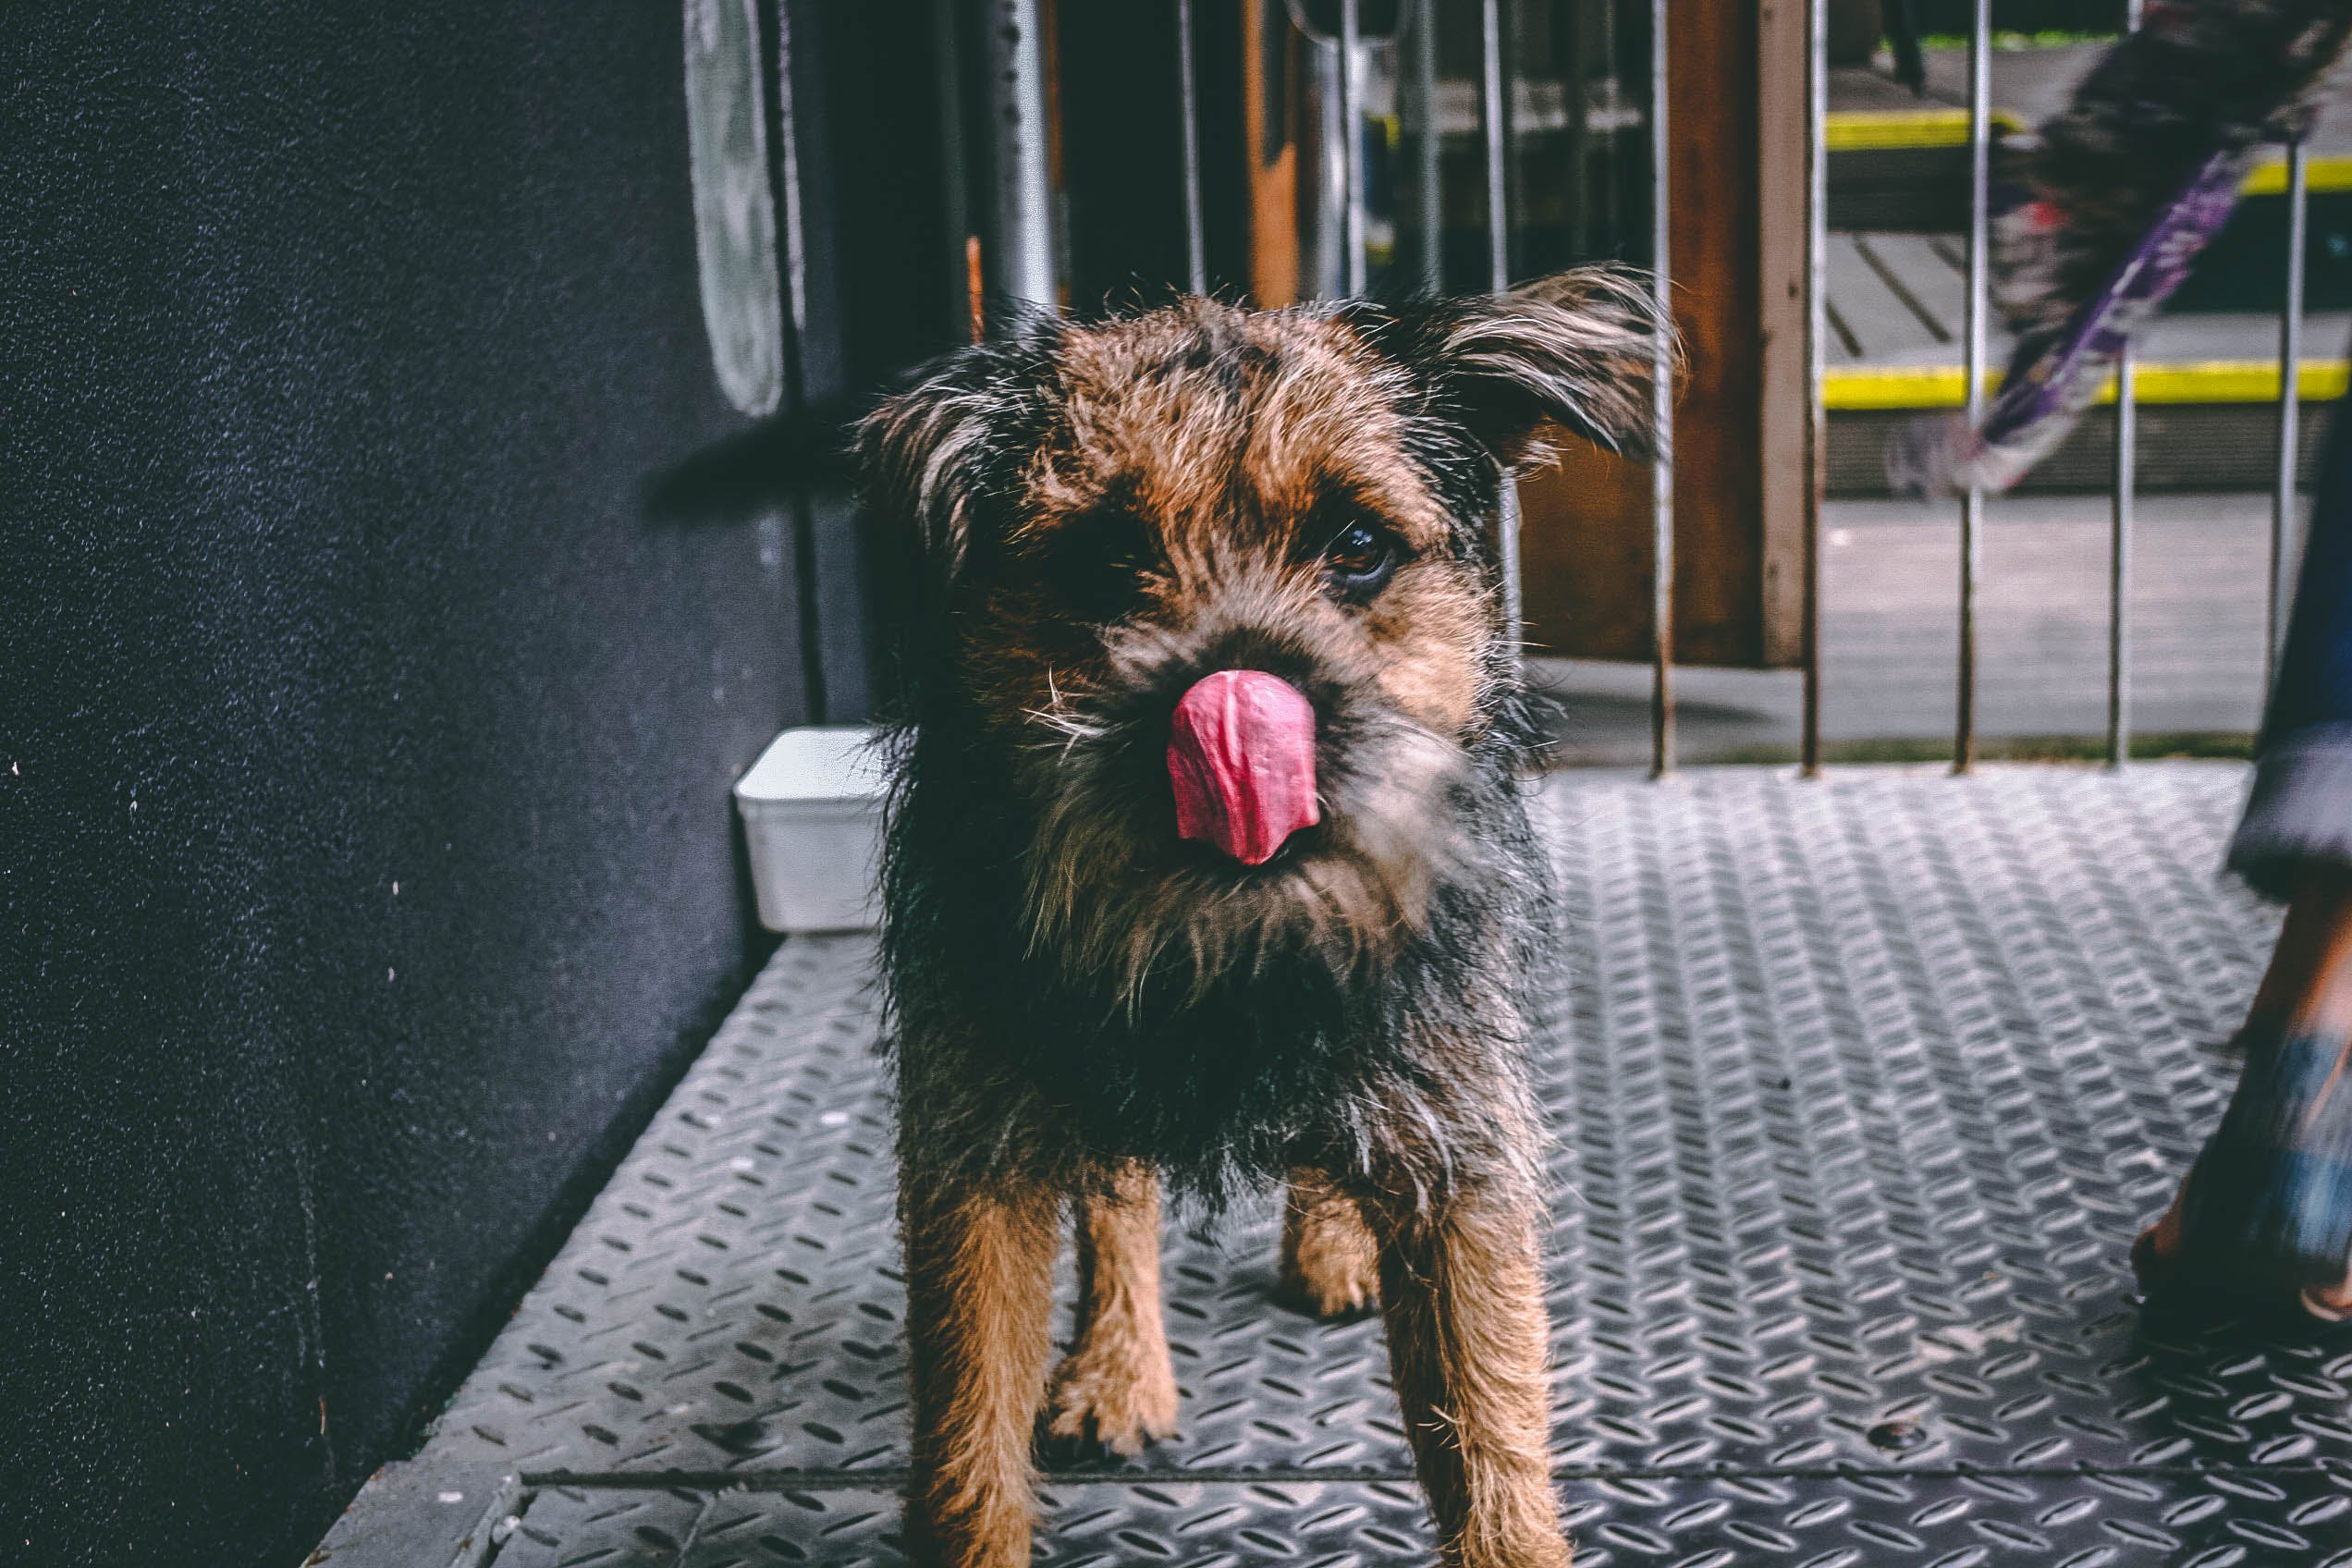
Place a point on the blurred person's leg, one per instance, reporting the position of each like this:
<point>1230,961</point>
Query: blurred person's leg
<point>2268,1205</point>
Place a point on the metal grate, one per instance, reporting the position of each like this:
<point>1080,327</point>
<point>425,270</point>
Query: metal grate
<point>1860,1087</point>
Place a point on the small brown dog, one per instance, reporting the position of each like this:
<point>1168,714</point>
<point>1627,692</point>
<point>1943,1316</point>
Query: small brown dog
<point>1207,862</point>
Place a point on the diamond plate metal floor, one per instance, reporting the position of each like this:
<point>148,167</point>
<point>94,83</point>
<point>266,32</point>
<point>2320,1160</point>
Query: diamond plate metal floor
<point>1861,1088</point>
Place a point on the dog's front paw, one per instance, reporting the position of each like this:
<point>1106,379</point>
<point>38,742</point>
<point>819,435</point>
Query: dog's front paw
<point>1116,1398</point>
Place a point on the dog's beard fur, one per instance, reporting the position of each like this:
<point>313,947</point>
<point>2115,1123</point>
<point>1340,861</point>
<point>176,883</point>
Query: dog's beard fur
<point>1124,909</point>
<point>1124,917</point>
<point>1218,1023</point>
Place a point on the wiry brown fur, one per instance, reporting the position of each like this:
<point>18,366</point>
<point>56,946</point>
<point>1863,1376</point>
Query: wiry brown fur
<point>1330,1262</point>
<point>1115,1388</point>
<point>1085,1004</point>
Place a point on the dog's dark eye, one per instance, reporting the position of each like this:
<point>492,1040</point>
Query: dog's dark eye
<point>1100,562</point>
<point>1359,559</point>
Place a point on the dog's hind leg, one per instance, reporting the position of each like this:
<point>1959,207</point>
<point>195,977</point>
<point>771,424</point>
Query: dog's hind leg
<point>1330,1266</point>
<point>979,1268</point>
<point>1117,1387</point>
<point>1463,1297</point>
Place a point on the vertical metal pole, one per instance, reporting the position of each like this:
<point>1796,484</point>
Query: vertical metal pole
<point>1351,136</point>
<point>1494,119</point>
<point>1565,20</point>
<point>2290,431</point>
<point>1661,537</point>
<point>2119,553</point>
<point>792,221</point>
<point>1324,260</point>
<point>2119,543</point>
<point>1963,744</point>
<point>1817,251</point>
<point>1494,105</point>
<point>795,221</point>
<point>1018,263</point>
<point>1431,149</point>
<point>953,179</point>
<point>1196,230</point>
<point>1610,203</point>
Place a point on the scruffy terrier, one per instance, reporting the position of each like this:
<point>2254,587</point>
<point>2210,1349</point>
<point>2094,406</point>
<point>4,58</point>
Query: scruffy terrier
<point>1207,862</point>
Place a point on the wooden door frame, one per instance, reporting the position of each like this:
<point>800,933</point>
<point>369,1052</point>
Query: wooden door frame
<point>1738,195</point>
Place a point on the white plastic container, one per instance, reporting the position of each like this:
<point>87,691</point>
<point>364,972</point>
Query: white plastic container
<point>812,811</point>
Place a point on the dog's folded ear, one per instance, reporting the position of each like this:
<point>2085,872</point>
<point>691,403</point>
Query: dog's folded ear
<point>1578,350</point>
<point>918,454</point>
<point>930,454</point>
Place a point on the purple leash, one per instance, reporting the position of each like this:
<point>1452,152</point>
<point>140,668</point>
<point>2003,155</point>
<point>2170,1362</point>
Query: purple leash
<point>2101,214</point>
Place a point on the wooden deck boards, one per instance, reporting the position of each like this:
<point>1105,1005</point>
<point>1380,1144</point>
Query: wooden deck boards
<point>1899,301</point>
<point>1889,588</point>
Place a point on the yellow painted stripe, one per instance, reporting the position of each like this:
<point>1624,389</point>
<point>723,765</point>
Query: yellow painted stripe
<point>2269,179</point>
<point>1878,130</point>
<point>1856,388</point>
<point>1860,130</point>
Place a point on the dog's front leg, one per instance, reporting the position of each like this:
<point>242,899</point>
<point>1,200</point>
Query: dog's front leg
<point>979,1267</point>
<point>1463,1297</point>
<point>1117,1387</point>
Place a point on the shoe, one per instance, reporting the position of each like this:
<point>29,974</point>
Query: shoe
<point>2266,1212</point>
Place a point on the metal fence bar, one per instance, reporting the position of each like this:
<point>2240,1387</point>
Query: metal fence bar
<point>1568,60</point>
<point>1817,252</point>
<point>1494,105</point>
<point>1662,536</point>
<point>955,190</point>
<point>1351,136</point>
<point>794,220</point>
<point>1611,195</point>
<point>1963,744</point>
<point>1431,147</point>
<point>793,238</point>
<point>2290,429</point>
<point>1018,259</point>
<point>1195,229</point>
<point>1494,122</point>
<point>2119,559</point>
<point>2119,541</point>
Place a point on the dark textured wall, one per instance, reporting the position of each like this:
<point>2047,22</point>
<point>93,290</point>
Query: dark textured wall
<point>365,861</point>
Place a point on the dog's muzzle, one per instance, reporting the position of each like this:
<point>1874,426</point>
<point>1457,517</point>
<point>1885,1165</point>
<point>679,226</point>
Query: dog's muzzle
<point>1241,756</point>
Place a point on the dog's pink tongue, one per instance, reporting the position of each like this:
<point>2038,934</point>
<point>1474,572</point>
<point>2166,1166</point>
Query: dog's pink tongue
<point>1242,758</point>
